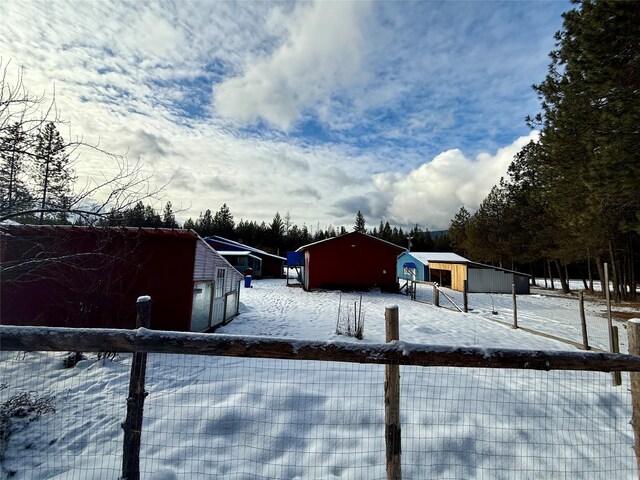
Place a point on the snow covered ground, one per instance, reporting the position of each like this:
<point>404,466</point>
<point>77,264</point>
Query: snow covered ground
<point>208,417</point>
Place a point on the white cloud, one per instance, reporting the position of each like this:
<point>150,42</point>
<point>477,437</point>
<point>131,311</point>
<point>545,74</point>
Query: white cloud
<point>322,51</point>
<point>432,193</point>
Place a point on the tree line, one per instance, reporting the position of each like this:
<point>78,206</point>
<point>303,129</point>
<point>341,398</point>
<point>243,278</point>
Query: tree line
<point>571,200</point>
<point>278,236</point>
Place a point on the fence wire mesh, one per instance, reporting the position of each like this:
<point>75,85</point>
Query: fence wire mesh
<point>559,318</point>
<point>243,418</point>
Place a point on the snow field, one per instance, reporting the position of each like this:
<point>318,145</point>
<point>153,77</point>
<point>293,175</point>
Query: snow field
<point>222,417</point>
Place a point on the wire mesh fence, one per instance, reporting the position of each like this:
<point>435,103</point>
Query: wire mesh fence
<point>253,418</point>
<point>560,318</point>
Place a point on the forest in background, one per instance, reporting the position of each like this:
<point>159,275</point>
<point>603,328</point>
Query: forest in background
<point>571,201</point>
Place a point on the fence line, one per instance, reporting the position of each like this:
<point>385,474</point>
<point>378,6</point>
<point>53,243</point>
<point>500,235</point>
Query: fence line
<point>593,334</point>
<point>413,356</point>
<point>30,339</point>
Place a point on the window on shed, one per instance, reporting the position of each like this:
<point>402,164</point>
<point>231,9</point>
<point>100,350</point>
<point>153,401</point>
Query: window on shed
<point>220,281</point>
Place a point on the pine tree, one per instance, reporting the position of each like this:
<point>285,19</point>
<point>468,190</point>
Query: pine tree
<point>386,233</point>
<point>204,224</point>
<point>223,223</point>
<point>189,224</point>
<point>590,141</point>
<point>168,217</point>
<point>458,231</point>
<point>136,216</point>
<point>360,223</point>
<point>14,194</point>
<point>277,227</point>
<point>53,173</point>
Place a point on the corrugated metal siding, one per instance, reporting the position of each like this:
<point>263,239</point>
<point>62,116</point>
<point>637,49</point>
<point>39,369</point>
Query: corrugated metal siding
<point>355,261</point>
<point>206,263</point>
<point>484,280</point>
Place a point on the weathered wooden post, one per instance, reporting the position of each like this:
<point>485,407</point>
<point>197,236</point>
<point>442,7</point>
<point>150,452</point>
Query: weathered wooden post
<point>392,399</point>
<point>465,291</point>
<point>436,295</point>
<point>135,402</point>
<point>633,331</point>
<point>583,321</point>
<point>515,305</point>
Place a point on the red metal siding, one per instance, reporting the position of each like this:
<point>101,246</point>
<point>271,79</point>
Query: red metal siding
<point>98,284</point>
<point>352,261</point>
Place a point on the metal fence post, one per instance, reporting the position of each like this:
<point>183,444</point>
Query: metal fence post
<point>515,305</point>
<point>135,402</point>
<point>392,399</point>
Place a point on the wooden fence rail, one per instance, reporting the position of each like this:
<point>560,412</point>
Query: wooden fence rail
<point>15,338</point>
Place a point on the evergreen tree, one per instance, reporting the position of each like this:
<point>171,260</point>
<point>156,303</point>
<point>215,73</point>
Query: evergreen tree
<point>204,225</point>
<point>14,194</point>
<point>223,223</point>
<point>151,217</point>
<point>136,216</point>
<point>360,223</point>
<point>189,224</point>
<point>590,141</point>
<point>458,231</point>
<point>305,237</point>
<point>386,233</point>
<point>53,173</point>
<point>277,228</point>
<point>168,217</point>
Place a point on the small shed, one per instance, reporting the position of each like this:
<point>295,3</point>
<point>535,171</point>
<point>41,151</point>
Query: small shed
<point>91,277</point>
<point>241,256</point>
<point>354,261</point>
<point>451,270</point>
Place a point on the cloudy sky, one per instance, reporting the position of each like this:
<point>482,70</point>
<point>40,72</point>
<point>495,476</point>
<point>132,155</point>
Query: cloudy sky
<point>402,110</point>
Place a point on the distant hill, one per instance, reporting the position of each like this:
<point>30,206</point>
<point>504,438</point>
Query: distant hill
<point>437,233</point>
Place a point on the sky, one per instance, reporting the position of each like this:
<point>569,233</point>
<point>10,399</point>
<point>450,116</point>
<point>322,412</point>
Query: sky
<point>405,111</point>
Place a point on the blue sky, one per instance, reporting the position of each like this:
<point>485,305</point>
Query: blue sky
<point>403,110</point>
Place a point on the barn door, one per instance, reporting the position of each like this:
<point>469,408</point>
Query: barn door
<point>218,297</point>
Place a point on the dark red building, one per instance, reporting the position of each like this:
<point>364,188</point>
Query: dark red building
<point>91,277</point>
<point>355,261</point>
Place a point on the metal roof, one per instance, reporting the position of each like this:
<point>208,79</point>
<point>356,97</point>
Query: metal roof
<point>441,257</point>
<point>450,257</point>
<point>42,229</point>
<point>233,243</point>
<point>237,253</point>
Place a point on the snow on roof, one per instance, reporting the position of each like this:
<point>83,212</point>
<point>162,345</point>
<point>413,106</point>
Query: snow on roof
<point>449,257</point>
<point>237,253</point>
<point>444,257</point>
<point>242,245</point>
